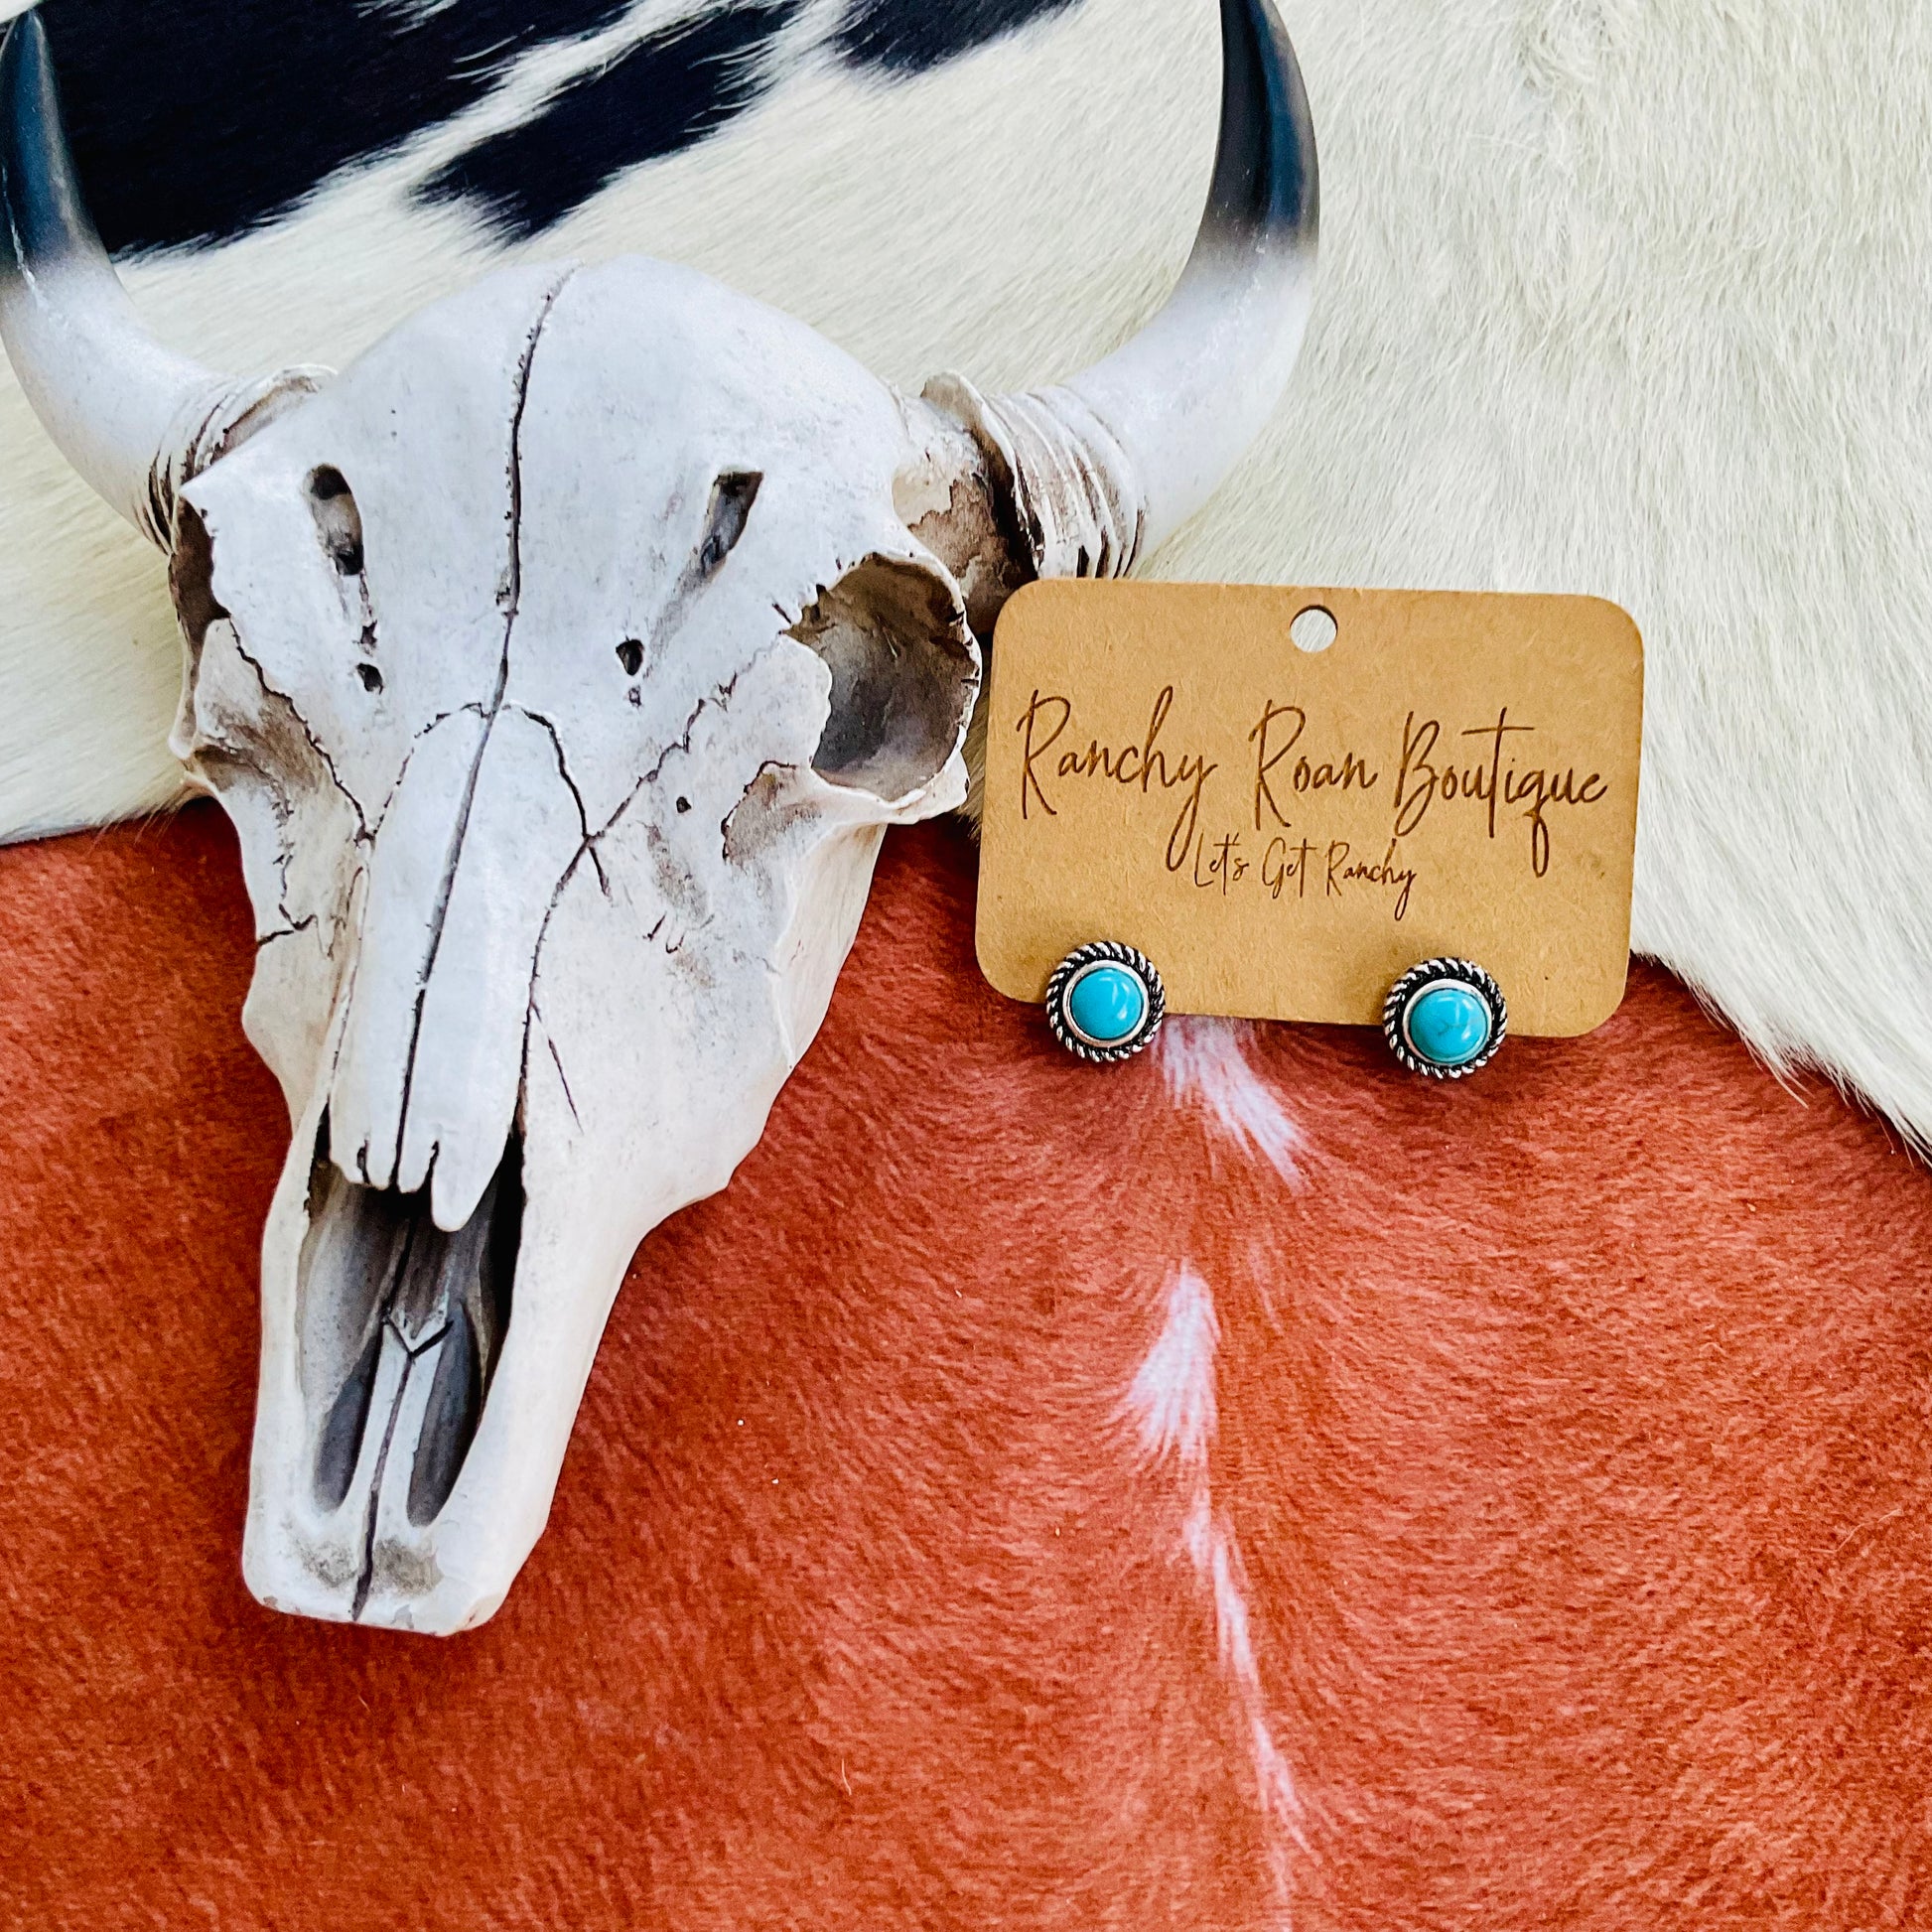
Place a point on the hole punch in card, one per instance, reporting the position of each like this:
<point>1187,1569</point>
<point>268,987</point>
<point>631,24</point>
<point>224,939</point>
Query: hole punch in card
<point>1287,798</point>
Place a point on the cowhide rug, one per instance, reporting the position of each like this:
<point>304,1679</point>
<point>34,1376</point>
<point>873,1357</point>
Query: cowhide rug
<point>1248,1490</point>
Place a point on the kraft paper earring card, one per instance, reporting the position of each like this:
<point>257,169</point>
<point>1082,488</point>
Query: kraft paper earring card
<point>1286,798</point>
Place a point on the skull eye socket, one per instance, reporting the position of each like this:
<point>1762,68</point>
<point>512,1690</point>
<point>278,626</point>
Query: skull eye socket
<point>893,636</point>
<point>338,521</point>
<point>630,654</point>
<point>191,578</point>
<point>731,498</point>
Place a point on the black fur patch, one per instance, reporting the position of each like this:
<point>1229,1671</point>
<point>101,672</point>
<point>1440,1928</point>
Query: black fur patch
<point>667,94</point>
<point>195,120</point>
<point>909,36</point>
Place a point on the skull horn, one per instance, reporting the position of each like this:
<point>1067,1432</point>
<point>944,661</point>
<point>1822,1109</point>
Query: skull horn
<point>1102,469</point>
<point>133,418</point>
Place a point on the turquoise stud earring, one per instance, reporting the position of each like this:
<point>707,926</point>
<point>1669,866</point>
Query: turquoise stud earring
<point>1444,1018</point>
<point>1105,1002</point>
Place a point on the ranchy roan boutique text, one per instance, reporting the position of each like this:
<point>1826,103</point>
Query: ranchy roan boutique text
<point>1492,774</point>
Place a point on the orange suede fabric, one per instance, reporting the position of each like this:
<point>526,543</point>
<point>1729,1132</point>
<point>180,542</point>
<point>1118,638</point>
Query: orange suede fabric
<point>1573,1462</point>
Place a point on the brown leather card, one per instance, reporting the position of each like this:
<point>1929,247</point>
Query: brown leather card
<point>1286,829</point>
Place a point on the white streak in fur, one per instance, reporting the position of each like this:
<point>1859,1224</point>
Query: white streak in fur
<point>1172,1405</point>
<point>1171,1400</point>
<point>1206,1061</point>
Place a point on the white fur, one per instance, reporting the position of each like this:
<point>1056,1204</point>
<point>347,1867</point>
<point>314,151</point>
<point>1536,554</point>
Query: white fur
<point>1171,1400</point>
<point>1171,1404</point>
<point>1618,295</point>
<point>1205,1060</point>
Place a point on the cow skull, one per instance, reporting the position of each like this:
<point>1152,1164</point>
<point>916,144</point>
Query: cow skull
<point>561,664</point>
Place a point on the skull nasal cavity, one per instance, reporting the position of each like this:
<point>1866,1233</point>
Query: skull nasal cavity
<point>338,521</point>
<point>380,1282</point>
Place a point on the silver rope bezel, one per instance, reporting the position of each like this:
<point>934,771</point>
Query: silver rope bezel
<point>1403,996</point>
<point>1068,974</point>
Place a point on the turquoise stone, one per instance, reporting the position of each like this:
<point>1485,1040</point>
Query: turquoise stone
<point>1107,1004</point>
<point>1449,1025</point>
